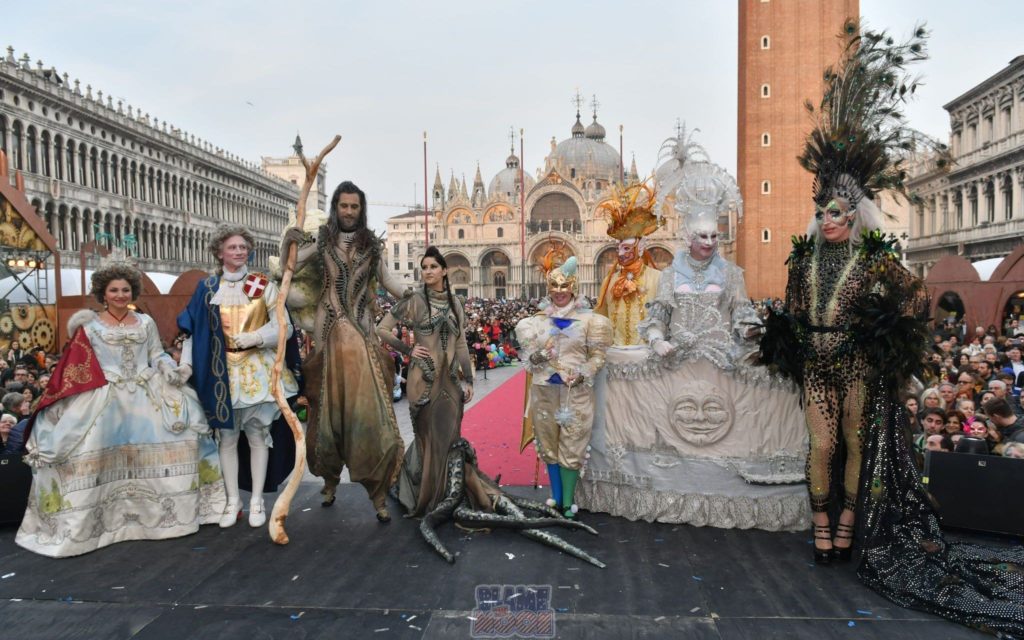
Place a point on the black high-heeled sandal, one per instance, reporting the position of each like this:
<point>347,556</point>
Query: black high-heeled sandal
<point>822,532</point>
<point>843,532</point>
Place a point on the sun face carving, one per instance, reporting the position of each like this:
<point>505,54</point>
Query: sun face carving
<point>701,415</point>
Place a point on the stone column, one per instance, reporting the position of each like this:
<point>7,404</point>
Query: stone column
<point>1017,178</point>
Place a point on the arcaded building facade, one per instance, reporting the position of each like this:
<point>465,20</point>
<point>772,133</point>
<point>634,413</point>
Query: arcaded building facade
<point>975,208</point>
<point>94,166</point>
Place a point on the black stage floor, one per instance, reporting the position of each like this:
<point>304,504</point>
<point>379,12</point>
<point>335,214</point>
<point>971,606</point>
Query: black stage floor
<point>346,576</point>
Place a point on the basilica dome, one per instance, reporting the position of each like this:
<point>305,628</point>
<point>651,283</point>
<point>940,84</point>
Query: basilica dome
<point>586,155</point>
<point>503,184</point>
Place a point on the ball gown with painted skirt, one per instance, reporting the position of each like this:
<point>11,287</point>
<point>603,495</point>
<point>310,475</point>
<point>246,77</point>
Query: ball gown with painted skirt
<point>131,460</point>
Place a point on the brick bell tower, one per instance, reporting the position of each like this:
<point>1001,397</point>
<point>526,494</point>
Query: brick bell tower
<point>784,47</point>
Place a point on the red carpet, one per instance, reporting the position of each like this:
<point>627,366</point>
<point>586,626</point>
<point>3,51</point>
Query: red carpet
<point>494,427</point>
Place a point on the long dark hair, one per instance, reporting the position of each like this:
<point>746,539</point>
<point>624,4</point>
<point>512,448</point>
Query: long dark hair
<point>363,236</point>
<point>435,253</point>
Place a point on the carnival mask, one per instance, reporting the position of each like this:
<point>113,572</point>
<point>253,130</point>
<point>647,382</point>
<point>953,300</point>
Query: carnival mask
<point>629,251</point>
<point>703,242</point>
<point>836,210</point>
<point>562,279</point>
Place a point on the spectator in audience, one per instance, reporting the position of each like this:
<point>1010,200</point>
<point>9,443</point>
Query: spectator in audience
<point>938,442</point>
<point>932,421</point>
<point>1015,366</point>
<point>930,399</point>
<point>1013,450</point>
<point>7,422</point>
<point>955,422</point>
<point>1009,426</point>
<point>947,390</point>
<point>966,407</point>
<point>966,381</point>
<point>998,388</point>
<point>911,406</point>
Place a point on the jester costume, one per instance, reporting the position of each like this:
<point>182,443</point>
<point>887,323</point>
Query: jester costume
<point>564,349</point>
<point>854,332</point>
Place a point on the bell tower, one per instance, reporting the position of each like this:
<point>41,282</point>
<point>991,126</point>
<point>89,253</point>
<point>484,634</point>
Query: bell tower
<point>784,47</point>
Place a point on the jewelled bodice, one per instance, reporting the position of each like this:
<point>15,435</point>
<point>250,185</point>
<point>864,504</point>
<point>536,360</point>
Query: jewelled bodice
<point>124,352</point>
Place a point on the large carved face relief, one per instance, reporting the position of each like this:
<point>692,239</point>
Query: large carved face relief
<point>700,415</point>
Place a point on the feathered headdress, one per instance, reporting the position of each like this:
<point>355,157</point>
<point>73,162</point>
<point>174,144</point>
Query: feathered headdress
<point>558,267</point>
<point>853,149</point>
<point>673,157</point>
<point>630,211</point>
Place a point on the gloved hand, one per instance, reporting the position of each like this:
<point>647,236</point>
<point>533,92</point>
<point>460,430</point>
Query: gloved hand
<point>175,376</point>
<point>576,380</point>
<point>663,348</point>
<point>248,340</point>
<point>181,375</point>
<point>538,358</point>
<point>292,235</point>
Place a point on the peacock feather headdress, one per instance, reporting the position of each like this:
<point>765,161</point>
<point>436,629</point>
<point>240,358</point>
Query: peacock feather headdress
<point>855,147</point>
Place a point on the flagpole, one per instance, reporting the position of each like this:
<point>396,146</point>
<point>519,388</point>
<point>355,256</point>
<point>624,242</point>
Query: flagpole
<point>622,166</point>
<point>522,211</point>
<point>426,216</point>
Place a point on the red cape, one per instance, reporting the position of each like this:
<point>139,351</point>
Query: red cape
<point>77,371</point>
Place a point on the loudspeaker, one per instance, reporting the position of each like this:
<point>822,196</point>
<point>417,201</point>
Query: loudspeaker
<point>976,492</point>
<point>15,483</point>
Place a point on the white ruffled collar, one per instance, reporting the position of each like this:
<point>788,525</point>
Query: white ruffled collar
<point>230,291</point>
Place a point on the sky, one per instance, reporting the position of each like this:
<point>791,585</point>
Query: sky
<point>247,76</point>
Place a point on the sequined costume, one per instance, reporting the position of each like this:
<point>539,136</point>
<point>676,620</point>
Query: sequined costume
<point>348,380</point>
<point>826,284</point>
<point>435,393</point>
<point>855,330</point>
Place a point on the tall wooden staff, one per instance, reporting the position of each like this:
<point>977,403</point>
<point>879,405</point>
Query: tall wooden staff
<point>284,501</point>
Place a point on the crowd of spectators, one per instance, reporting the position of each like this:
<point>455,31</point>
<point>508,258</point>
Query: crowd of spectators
<point>489,334</point>
<point>23,375</point>
<point>971,401</point>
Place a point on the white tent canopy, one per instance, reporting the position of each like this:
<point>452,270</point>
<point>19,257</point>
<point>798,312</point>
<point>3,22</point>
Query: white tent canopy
<point>71,285</point>
<point>987,267</point>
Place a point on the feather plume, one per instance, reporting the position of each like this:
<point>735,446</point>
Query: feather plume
<point>859,125</point>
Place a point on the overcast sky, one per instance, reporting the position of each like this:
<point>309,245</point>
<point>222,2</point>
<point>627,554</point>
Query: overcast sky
<point>247,75</point>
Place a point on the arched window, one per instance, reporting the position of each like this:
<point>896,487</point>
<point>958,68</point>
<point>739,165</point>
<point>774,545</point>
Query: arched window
<point>3,134</point>
<point>16,135</point>
<point>766,140</point>
<point>71,160</point>
<point>94,168</point>
<point>30,150</point>
<point>501,232</point>
<point>766,42</point>
<point>104,172</point>
<point>766,235</point>
<point>44,149</point>
<point>83,161</point>
<point>58,157</point>
<point>462,234</point>
<point>766,91</point>
<point>766,187</point>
